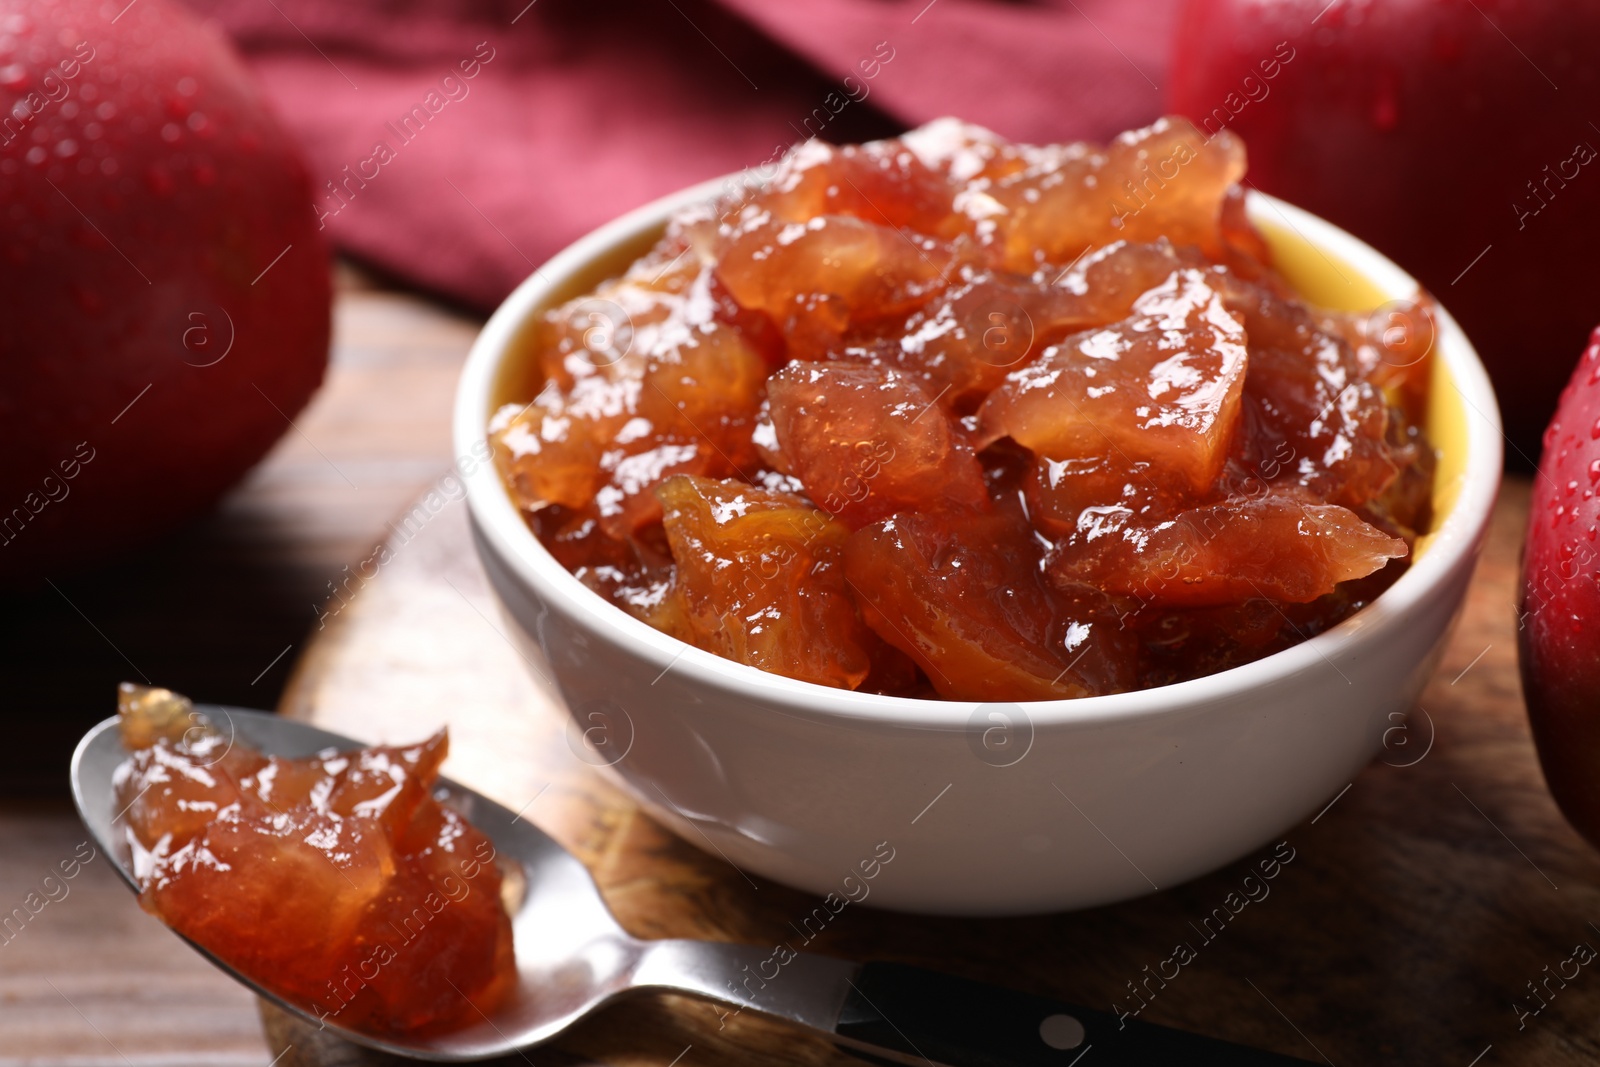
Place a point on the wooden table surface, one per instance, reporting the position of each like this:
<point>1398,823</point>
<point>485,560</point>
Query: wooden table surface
<point>1420,905</point>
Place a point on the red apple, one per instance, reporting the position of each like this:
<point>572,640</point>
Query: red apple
<point>1559,617</point>
<point>164,290</point>
<point>1455,137</point>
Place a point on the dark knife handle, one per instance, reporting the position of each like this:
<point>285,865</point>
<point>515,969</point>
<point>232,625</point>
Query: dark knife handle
<point>899,1014</point>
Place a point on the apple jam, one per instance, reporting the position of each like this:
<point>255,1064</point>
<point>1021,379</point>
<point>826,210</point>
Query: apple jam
<point>950,416</point>
<point>337,881</point>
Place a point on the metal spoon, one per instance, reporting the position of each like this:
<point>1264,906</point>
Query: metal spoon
<point>572,958</point>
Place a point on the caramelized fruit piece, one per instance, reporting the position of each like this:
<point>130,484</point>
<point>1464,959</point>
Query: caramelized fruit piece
<point>1160,387</point>
<point>613,330</point>
<point>384,784</point>
<point>460,928</point>
<point>1272,547</point>
<point>1101,286</point>
<point>880,182</point>
<point>1393,347</point>
<point>1099,492</point>
<point>575,539</point>
<point>549,450</point>
<point>682,398</point>
<point>701,397</point>
<point>626,502</point>
<point>815,278</point>
<point>636,575</point>
<point>1315,423</point>
<point>706,384</point>
<point>183,770</point>
<point>1056,201</point>
<point>962,597</point>
<point>651,596</point>
<point>760,575</point>
<point>868,442</point>
<point>1170,180</point>
<point>965,341</point>
<point>337,881</point>
<point>150,714</point>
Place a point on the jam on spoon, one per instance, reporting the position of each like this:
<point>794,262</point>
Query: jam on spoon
<point>337,881</point>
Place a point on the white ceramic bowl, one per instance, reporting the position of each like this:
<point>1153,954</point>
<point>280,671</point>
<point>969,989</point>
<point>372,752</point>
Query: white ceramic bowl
<point>989,809</point>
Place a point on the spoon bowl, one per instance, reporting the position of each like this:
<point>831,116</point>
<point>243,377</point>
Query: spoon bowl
<point>571,955</point>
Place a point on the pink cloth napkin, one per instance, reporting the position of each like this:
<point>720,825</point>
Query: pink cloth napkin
<point>458,143</point>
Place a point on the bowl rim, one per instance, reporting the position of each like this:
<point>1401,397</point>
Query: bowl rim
<point>499,523</point>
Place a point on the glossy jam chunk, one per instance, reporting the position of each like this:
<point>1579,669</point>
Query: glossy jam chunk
<point>337,881</point>
<point>817,279</point>
<point>635,402</point>
<point>761,578</point>
<point>1049,203</point>
<point>1315,419</point>
<point>868,442</point>
<point>947,415</point>
<point>963,598</point>
<point>1163,384</point>
<point>1085,496</point>
<point>882,182</point>
<point>960,343</point>
<point>1271,548</point>
<point>987,323</point>
<point>1393,347</point>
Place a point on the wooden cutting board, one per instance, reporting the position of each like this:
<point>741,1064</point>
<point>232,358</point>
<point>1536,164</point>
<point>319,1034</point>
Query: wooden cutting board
<point>1418,907</point>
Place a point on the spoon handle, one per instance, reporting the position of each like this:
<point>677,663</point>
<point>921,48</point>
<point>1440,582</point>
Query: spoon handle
<point>892,1013</point>
<point>800,987</point>
<point>909,1015</point>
